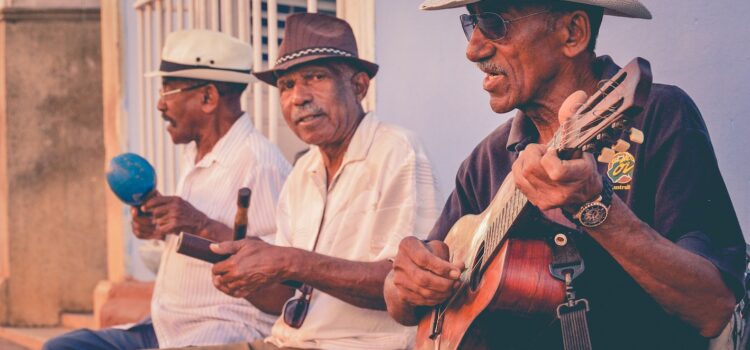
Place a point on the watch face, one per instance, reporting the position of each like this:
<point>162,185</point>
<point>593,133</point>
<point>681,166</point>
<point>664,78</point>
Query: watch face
<point>593,214</point>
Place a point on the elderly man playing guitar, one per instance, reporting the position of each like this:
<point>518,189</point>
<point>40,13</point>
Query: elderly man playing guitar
<point>663,250</point>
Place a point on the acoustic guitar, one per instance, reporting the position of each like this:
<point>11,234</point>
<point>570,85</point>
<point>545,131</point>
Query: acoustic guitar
<point>508,270</point>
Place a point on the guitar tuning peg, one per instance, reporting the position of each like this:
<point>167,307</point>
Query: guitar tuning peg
<point>636,136</point>
<point>621,146</point>
<point>606,155</point>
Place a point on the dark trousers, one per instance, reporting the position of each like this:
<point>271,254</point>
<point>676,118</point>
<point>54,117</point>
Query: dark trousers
<point>140,336</point>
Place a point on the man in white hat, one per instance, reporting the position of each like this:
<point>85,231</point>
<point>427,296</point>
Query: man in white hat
<point>663,250</point>
<point>203,76</point>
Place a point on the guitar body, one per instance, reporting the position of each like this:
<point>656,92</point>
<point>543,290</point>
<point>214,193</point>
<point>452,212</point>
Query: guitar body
<point>517,280</point>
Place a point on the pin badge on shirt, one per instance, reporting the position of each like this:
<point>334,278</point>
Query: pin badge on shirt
<point>620,170</point>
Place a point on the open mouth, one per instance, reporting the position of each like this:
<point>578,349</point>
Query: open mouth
<point>493,75</point>
<point>492,81</point>
<point>168,121</point>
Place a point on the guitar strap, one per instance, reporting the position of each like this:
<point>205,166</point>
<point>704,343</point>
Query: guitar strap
<point>566,265</point>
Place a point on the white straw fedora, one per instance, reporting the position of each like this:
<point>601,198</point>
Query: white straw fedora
<point>206,55</point>
<point>622,8</point>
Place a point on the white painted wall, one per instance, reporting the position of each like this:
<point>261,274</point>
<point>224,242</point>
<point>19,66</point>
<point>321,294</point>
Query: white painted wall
<point>426,83</point>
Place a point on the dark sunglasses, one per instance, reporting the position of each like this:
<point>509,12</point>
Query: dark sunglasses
<point>295,310</point>
<point>492,25</point>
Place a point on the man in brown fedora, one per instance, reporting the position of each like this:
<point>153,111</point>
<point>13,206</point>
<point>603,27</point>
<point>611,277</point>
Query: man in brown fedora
<point>663,250</point>
<point>363,186</point>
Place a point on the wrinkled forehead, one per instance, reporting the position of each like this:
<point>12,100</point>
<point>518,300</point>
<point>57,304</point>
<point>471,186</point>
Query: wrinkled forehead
<point>333,66</point>
<point>307,67</point>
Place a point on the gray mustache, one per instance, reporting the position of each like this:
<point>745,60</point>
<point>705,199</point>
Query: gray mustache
<point>489,67</point>
<point>305,110</point>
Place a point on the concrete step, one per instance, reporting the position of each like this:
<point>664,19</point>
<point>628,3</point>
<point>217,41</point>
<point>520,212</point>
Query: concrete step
<point>6,345</point>
<point>77,320</point>
<point>31,338</point>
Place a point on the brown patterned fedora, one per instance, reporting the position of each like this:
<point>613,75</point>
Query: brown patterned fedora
<point>311,36</point>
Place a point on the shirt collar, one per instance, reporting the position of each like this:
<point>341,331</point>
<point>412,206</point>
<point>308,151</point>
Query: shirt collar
<point>224,151</point>
<point>522,129</point>
<point>358,148</point>
<point>522,133</point>
<point>363,138</point>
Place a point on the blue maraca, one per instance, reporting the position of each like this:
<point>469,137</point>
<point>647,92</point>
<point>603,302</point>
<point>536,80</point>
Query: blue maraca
<point>131,178</point>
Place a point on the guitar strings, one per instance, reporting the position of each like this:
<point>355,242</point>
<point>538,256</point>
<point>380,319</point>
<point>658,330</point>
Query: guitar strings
<point>604,85</point>
<point>603,115</point>
<point>576,131</point>
<point>518,201</point>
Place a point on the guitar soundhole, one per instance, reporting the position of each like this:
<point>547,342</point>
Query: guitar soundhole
<point>476,269</point>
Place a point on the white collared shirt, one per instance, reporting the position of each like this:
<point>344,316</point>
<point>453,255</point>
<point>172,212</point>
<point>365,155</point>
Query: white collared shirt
<point>186,308</point>
<point>384,191</point>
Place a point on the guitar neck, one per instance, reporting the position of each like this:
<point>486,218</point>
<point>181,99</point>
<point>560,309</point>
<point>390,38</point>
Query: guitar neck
<point>506,207</point>
<point>503,219</point>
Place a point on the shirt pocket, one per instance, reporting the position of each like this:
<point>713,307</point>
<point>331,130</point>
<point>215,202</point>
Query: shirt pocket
<point>350,227</point>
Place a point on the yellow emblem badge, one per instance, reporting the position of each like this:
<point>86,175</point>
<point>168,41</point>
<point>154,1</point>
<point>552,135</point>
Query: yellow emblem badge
<point>620,170</point>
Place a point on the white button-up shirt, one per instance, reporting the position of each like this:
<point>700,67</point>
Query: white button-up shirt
<point>384,191</point>
<point>186,308</point>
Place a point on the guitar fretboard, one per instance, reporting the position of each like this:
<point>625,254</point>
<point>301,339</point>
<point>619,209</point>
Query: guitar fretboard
<point>502,219</point>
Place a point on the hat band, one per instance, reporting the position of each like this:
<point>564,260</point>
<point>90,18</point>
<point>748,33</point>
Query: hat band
<point>313,51</point>
<point>167,66</point>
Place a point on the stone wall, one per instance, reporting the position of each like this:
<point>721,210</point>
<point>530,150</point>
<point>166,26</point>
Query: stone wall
<point>54,203</point>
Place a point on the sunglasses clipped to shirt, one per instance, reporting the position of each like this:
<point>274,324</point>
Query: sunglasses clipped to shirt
<point>295,310</point>
<point>492,25</point>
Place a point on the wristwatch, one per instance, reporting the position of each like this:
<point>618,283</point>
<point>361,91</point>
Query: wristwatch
<point>593,213</point>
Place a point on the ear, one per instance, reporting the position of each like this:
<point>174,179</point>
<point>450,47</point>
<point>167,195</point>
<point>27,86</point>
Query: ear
<point>210,98</point>
<point>361,83</point>
<point>576,31</point>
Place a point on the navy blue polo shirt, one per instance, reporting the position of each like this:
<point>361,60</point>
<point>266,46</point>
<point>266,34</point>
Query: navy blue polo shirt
<point>672,182</point>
